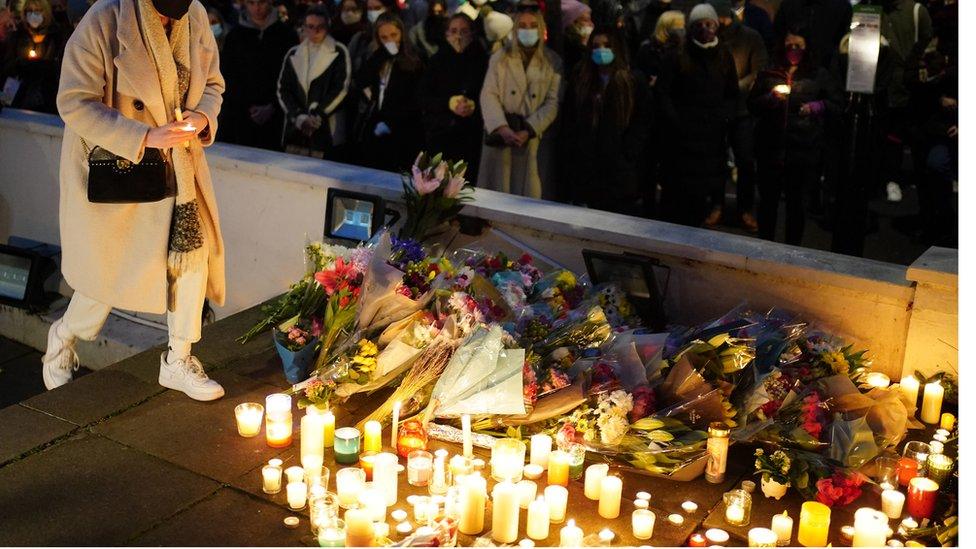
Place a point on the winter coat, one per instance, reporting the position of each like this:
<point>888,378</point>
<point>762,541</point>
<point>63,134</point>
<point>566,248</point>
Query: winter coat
<point>757,19</point>
<point>533,92</point>
<point>110,96</point>
<point>651,56</point>
<point>251,62</point>
<point>38,75</point>
<point>329,81</point>
<point>427,37</point>
<point>749,53</point>
<point>399,110</point>
<point>697,94</point>
<point>898,26</point>
<point>825,21</point>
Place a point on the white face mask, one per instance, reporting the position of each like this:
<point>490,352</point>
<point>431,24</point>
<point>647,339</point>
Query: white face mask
<point>373,15</point>
<point>528,37</point>
<point>34,19</point>
<point>391,47</point>
<point>351,17</point>
<point>706,45</point>
<point>585,31</point>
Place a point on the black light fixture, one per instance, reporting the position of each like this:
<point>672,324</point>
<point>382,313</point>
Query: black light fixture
<point>634,274</point>
<point>25,266</point>
<point>354,216</point>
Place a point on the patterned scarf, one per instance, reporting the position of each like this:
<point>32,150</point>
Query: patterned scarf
<point>172,59</point>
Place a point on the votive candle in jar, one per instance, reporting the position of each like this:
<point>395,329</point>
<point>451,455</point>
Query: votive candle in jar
<point>249,416</point>
<point>932,402</point>
<point>359,528</point>
<point>527,491</point>
<point>783,526</point>
<point>297,492</point>
<point>814,524</point>
<point>371,499</point>
<point>559,468</point>
<point>507,460</point>
<point>349,483</point>
<point>914,451</point>
<point>594,477</point>
<point>366,461</point>
<point>611,489</point>
<point>642,523</point>
<point>571,535</point>
<point>295,473</point>
<point>697,540</point>
<point>333,534</point>
<point>278,420</point>
<point>762,537</point>
<point>892,503</point>
<point>420,465</point>
<point>411,436</point>
<point>738,507</point>
<point>938,467</point>
<point>540,446</point>
<point>347,446</point>
<point>439,481</point>
<point>922,495</point>
<point>373,436</point>
<point>557,498</point>
<point>870,528</point>
<point>577,455</point>
<point>271,477</point>
<point>907,470</point>
<point>717,450</point>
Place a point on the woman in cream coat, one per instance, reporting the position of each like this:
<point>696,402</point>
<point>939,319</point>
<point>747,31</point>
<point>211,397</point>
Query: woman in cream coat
<point>524,79</point>
<point>127,68</point>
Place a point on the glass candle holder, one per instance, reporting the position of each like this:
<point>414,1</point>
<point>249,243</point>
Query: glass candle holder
<point>886,472</point>
<point>939,466</point>
<point>922,496</point>
<point>559,468</point>
<point>507,460</point>
<point>333,534</point>
<point>762,537</point>
<point>366,460</point>
<point>738,507</point>
<point>371,499</point>
<point>318,479</point>
<point>295,473</point>
<point>912,462</point>
<point>347,445</point>
<point>411,436</point>
<point>271,478</point>
<point>297,494</point>
<point>642,523</point>
<point>577,454</point>
<point>386,469</point>
<point>249,416</point>
<point>349,483</point>
<point>420,466</point>
<point>278,420</point>
<point>323,510</point>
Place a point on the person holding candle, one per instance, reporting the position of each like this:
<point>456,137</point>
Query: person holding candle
<point>33,57</point>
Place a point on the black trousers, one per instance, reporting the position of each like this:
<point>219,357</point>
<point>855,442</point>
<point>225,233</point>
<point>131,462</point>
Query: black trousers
<point>792,178</point>
<point>741,131</point>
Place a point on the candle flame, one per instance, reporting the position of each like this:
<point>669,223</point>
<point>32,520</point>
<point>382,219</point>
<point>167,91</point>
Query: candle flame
<point>32,53</point>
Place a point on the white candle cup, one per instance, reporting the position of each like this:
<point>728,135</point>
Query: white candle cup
<point>877,380</point>
<point>249,416</point>
<point>571,535</point>
<point>641,504</point>
<point>297,493</point>
<point>505,513</point>
<point>557,498</point>
<point>932,403</point>
<point>372,500</point>
<point>762,537</point>
<point>527,491</point>
<point>540,446</point>
<point>349,483</point>
<point>593,479</point>
<point>611,489</point>
<point>420,465</point>
<point>783,526</point>
<point>295,474</point>
<point>313,441</point>
<point>533,471</point>
<point>716,536</point>
<point>605,537</point>
<point>642,523</point>
<point>507,460</point>
<point>892,503</point>
<point>537,521</point>
<point>870,528</point>
<point>271,478</point>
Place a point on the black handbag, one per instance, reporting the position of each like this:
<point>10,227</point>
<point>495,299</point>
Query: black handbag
<point>514,121</point>
<point>116,180</point>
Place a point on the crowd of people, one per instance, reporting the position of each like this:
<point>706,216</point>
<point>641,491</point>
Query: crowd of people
<point>643,107</point>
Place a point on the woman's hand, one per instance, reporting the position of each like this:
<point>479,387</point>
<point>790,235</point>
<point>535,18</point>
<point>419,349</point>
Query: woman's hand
<point>508,136</point>
<point>197,120</point>
<point>522,138</point>
<point>169,136</point>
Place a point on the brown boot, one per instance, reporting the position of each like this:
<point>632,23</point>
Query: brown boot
<point>714,218</point>
<point>749,223</point>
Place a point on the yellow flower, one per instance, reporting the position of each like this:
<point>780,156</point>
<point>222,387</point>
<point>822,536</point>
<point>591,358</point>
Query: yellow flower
<point>367,348</point>
<point>837,362</point>
<point>565,279</point>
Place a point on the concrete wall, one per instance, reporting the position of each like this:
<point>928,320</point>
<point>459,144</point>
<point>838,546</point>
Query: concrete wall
<point>269,202</point>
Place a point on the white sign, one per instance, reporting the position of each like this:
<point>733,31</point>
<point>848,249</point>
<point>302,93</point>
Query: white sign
<point>863,49</point>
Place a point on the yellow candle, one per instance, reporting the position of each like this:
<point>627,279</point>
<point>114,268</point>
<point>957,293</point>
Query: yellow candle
<point>814,524</point>
<point>909,387</point>
<point>948,421</point>
<point>373,438</point>
<point>312,443</point>
<point>932,402</point>
<point>328,424</point>
<point>249,415</point>
<point>537,522</point>
<point>359,528</point>
<point>559,468</point>
<point>594,476</point>
<point>610,490</point>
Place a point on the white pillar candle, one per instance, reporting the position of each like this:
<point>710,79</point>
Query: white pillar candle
<point>386,468</point>
<point>606,537</point>
<point>932,402</point>
<point>313,441</point>
<point>395,427</point>
<point>271,475</point>
<point>571,535</point>
<point>297,492</point>
<point>762,537</point>
<point>505,512</point>
<point>557,498</point>
<point>783,526</point>
<point>537,521</point>
<point>466,442</point>
<point>642,522</point>
<point>438,479</point>
<point>594,477</point>
<point>540,447</point>
<point>295,474</point>
<point>909,387</point>
<point>870,528</point>
<point>611,489</point>
<point>372,500</point>
<point>474,495</point>
<point>527,491</point>
<point>892,503</point>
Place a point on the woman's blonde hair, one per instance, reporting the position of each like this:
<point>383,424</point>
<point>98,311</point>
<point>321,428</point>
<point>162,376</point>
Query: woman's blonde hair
<point>44,6</point>
<point>531,8</point>
<point>667,21</point>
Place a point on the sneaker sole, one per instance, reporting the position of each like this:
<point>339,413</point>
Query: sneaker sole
<point>50,383</point>
<point>202,397</point>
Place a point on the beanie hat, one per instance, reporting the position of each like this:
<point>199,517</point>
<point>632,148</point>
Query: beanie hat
<point>497,26</point>
<point>701,12</point>
<point>572,10</point>
<point>723,8</point>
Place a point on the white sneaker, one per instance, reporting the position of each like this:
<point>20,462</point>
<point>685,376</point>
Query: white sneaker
<point>894,192</point>
<point>187,375</point>
<point>60,360</point>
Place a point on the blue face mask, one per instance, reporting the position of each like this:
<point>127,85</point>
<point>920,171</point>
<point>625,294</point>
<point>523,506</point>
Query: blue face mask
<point>602,56</point>
<point>217,29</point>
<point>528,37</point>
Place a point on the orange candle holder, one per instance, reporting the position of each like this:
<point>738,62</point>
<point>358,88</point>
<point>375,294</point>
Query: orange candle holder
<point>411,436</point>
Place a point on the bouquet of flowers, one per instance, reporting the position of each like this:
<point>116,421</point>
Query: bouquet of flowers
<point>342,282</point>
<point>434,192</point>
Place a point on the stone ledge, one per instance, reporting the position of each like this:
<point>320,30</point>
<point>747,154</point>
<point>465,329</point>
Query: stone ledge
<point>937,266</point>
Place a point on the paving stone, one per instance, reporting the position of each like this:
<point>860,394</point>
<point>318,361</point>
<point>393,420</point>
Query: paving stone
<point>200,436</point>
<point>10,349</point>
<point>20,378</point>
<point>91,491</point>
<point>264,367</point>
<point>24,429</point>
<point>94,397</point>
<point>219,347</point>
<point>228,518</point>
<point>143,366</point>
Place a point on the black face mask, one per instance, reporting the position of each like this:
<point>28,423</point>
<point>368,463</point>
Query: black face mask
<point>174,9</point>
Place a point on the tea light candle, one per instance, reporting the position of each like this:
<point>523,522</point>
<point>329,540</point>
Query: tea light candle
<point>594,477</point>
<point>762,537</point>
<point>937,447</point>
<point>783,526</point>
<point>474,495</point>
<point>527,491</point>
<point>359,529</point>
<point>559,468</point>
<point>892,503</point>
<point>847,535</point>
<point>540,448</point>
<point>295,474</point>
<point>533,471</point>
<point>689,507</point>
<point>611,489</point>
<point>697,540</point>
<point>939,467</point>
<point>606,537</point>
<point>332,536</point>
<point>922,495</point>
<point>297,492</point>
<point>277,420</point>
<point>571,535</point>
<point>877,380</point>
<point>642,523</point>
<point>404,528</point>
<point>507,460</point>
<point>735,514</point>
<point>948,421</point>
<point>716,536</point>
<point>940,438</point>
<point>347,446</point>
<point>249,416</point>
<point>505,512</point>
<point>372,437</point>
<point>814,524</point>
<point>932,402</point>
<point>526,543</point>
<point>556,497</point>
<point>646,496</point>
<point>420,465</point>
<point>271,475</point>
<point>641,504</point>
<point>467,444</point>
<point>537,521</point>
<point>676,519</point>
<point>395,426</point>
<point>870,528</point>
<point>313,441</point>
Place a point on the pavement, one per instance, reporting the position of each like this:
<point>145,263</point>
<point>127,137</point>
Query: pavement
<point>115,459</point>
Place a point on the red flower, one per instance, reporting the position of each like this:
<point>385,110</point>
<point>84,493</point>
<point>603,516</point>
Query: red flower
<point>344,301</point>
<point>839,489</point>
<point>337,278</point>
<point>525,259</point>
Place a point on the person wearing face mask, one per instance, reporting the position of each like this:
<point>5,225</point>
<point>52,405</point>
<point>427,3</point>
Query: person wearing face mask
<point>826,22</point>
<point>428,36</point>
<point>218,26</point>
<point>348,21</point>
<point>388,126</point>
<point>697,92</point>
<point>122,84</point>
<point>449,94</point>
<point>606,120</point>
<point>577,26</point>
<point>363,43</point>
<point>665,42</point>
<point>251,60</point>
<point>314,81</point>
<point>519,102</point>
<point>791,101</point>
<point>33,58</point>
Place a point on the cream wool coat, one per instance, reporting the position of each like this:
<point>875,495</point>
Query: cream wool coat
<point>110,95</point>
<point>533,92</point>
